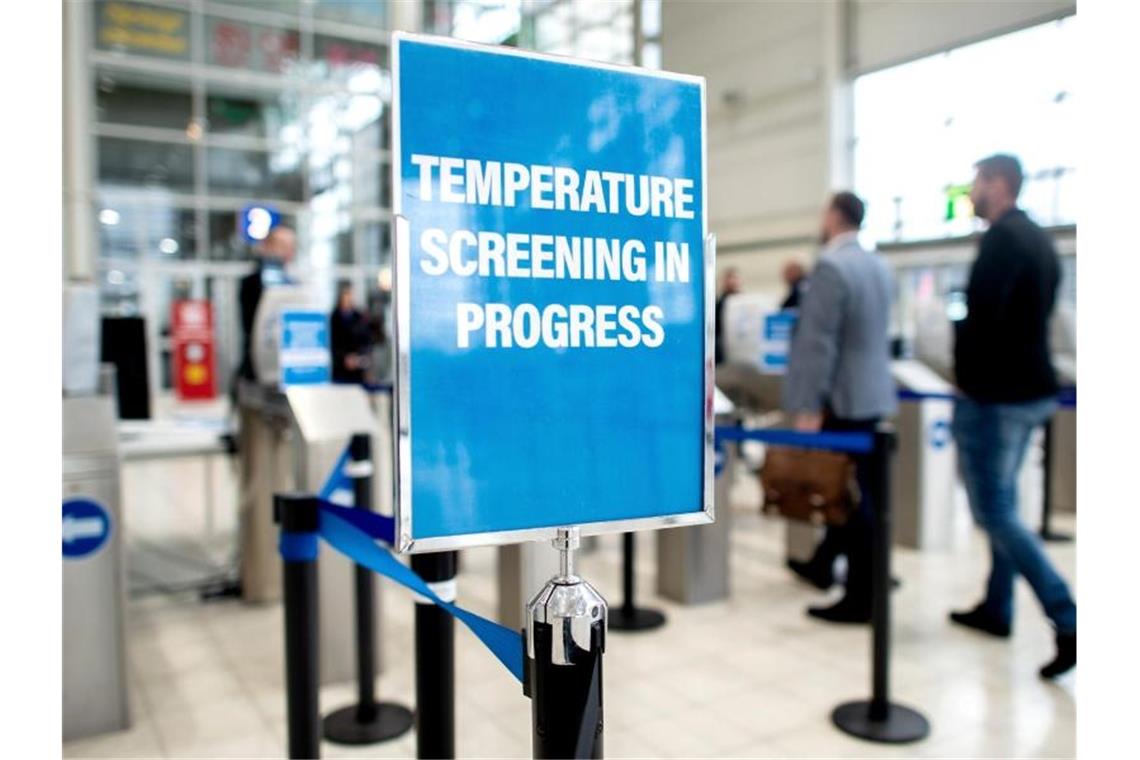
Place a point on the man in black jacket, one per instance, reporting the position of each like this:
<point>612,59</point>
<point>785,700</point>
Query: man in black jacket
<point>1007,387</point>
<point>273,255</point>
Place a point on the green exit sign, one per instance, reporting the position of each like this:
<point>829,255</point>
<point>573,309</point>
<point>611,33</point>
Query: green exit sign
<point>958,205</point>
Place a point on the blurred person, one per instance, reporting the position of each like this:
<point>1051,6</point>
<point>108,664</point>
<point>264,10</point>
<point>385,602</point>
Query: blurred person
<point>274,253</point>
<point>796,279</point>
<point>1007,388</point>
<point>839,379</point>
<point>348,335</point>
<point>729,285</point>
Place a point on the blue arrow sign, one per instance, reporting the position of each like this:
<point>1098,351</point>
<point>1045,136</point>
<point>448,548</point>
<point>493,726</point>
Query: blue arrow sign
<point>86,527</point>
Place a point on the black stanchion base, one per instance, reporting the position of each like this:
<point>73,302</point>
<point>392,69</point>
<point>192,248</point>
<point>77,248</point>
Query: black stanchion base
<point>635,619</point>
<point>391,721</point>
<point>902,724</point>
<point>1055,538</point>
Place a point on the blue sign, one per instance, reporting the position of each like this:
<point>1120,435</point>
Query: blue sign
<point>86,526</point>
<point>256,221</point>
<point>553,297</point>
<point>776,341</point>
<point>940,434</point>
<point>303,353</point>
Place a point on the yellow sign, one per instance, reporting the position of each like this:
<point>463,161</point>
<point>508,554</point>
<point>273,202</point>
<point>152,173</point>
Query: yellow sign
<point>144,29</point>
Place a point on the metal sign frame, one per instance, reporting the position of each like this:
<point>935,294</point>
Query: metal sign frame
<point>401,309</point>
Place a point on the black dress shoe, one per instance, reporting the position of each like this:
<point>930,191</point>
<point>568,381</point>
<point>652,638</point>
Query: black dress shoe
<point>843,611</point>
<point>981,620</point>
<point>1066,657</point>
<point>819,577</point>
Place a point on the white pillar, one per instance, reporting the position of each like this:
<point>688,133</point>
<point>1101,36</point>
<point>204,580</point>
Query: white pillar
<point>837,94</point>
<point>78,145</point>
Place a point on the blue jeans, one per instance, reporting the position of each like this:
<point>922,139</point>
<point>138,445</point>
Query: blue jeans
<point>992,440</point>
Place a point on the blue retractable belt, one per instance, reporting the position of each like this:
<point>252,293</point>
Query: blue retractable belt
<point>358,546</point>
<point>353,532</point>
<point>379,527</point>
<point>851,443</point>
<point>1066,397</point>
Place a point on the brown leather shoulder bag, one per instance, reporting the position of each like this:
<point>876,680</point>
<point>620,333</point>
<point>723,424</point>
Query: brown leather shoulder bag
<point>817,487</point>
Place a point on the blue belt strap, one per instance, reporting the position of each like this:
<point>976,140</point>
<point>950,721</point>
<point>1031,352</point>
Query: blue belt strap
<point>297,547</point>
<point>851,443</point>
<point>355,544</point>
<point>379,527</point>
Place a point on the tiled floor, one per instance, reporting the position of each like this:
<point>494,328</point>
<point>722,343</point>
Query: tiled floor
<point>748,677</point>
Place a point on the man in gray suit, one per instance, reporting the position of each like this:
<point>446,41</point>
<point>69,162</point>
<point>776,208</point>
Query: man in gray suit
<point>839,379</point>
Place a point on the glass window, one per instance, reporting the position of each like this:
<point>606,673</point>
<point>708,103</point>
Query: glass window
<point>241,45</point>
<point>118,288</point>
<point>489,21</point>
<point>914,165</point>
<point>373,13</point>
<point>255,174</point>
<point>129,230</point>
<point>350,63</point>
<point>120,228</point>
<point>375,243</point>
<point>144,101</point>
<point>262,115</point>
<point>169,233</point>
<point>608,43</point>
<point>372,184</point>
<point>135,163</point>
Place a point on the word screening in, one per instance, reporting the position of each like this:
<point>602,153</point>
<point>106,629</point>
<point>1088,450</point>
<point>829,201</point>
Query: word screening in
<point>551,298</point>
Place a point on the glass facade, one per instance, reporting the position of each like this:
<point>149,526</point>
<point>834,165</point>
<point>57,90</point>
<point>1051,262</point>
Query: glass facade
<point>201,108</point>
<point>599,30</point>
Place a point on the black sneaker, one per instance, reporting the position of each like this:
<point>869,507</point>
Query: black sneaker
<point>812,573</point>
<point>843,611</point>
<point>981,620</point>
<point>1066,658</point>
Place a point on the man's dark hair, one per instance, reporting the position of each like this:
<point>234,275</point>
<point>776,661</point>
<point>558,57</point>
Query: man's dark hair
<point>1004,167</point>
<point>850,207</point>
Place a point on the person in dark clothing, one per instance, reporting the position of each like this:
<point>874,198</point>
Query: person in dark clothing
<point>1007,388</point>
<point>730,284</point>
<point>274,253</point>
<point>348,334</point>
<point>796,280</point>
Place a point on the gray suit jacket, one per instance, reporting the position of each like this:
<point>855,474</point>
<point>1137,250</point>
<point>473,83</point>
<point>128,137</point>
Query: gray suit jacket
<point>840,355</point>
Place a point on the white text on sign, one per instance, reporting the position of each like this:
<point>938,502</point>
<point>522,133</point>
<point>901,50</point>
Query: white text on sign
<point>468,253</point>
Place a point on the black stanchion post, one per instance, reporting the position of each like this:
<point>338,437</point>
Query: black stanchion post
<point>565,640</point>
<point>368,721</point>
<point>435,659</point>
<point>878,719</point>
<point>630,617</point>
<point>299,517</point>
<point>1047,533</point>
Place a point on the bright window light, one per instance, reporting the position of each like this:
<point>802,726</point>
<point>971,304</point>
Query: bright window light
<point>921,126</point>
